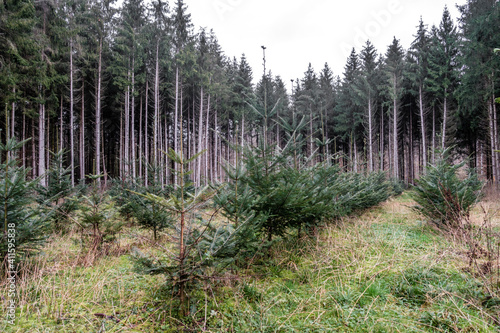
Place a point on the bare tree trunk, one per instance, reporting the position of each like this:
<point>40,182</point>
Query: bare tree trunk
<point>146,137</point>
<point>176,119</point>
<point>33,149</point>
<point>41,145</point>
<point>445,117</point>
<point>494,171</point>
<point>496,136</point>
<point>122,152</point>
<point>215,150</point>
<point>71,116</point>
<point>200,139</point>
<point>395,133</point>
<point>82,134</point>
<point>156,117</point>
<point>422,127</point>
<point>132,127</point>
<point>141,139</point>
<point>98,117</point>
<point>382,151</point>
<point>126,142</point>
<point>24,138</point>
<point>433,134</point>
<point>207,121</point>
<point>370,134</point>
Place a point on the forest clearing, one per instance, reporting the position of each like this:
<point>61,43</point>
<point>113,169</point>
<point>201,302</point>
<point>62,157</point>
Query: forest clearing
<point>382,271</point>
<point>150,182</point>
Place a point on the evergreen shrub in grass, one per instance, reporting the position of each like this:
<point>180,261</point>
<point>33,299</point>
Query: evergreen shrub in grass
<point>288,197</point>
<point>59,197</point>
<point>19,215</point>
<point>131,201</point>
<point>443,197</point>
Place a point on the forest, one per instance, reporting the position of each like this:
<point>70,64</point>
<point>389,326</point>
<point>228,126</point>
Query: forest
<point>114,87</point>
<point>150,183</point>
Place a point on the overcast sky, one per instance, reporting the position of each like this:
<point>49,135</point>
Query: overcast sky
<point>296,32</point>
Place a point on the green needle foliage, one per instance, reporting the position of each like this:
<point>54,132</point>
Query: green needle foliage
<point>198,242</point>
<point>18,211</point>
<point>98,219</point>
<point>59,197</point>
<point>131,201</point>
<point>442,197</point>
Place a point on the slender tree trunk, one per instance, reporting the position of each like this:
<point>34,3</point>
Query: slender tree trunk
<point>122,151</point>
<point>71,115</point>
<point>132,127</point>
<point>382,131</point>
<point>176,119</point>
<point>422,127</point>
<point>41,145</point>
<point>200,139</point>
<point>494,170</point>
<point>98,117</point>
<point>206,137</point>
<point>126,142</point>
<point>395,133</point>
<point>216,157</point>
<point>496,137</point>
<point>146,137</point>
<point>156,118</point>
<point>433,134</point>
<point>33,149</point>
<point>445,117</point>
<point>141,139</point>
<point>61,126</point>
<point>82,134</point>
<point>370,134</point>
<point>24,138</point>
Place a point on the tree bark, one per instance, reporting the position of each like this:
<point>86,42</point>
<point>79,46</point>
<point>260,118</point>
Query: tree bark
<point>98,116</point>
<point>422,127</point>
<point>41,145</point>
<point>71,115</point>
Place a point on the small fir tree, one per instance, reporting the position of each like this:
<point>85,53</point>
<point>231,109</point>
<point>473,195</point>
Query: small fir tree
<point>18,213</point>
<point>59,196</point>
<point>442,197</point>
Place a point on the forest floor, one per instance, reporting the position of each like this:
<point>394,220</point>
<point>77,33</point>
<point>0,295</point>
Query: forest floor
<point>381,271</point>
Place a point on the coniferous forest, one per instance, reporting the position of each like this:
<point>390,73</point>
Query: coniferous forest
<point>224,200</point>
<point>114,87</point>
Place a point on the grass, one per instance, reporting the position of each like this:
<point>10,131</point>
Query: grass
<point>382,271</point>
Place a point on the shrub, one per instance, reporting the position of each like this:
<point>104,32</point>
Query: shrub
<point>18,214</point>
<point>442,197</point>
<point>59,197</point>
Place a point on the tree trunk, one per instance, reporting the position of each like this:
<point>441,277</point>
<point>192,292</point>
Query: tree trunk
<point>126,142</point>
<point>370,134</point>
<point>200,139</point>
<point>494,170</point>
<point>132,127</point>
<point>433,134</point>
<point>141,139</point>
<point>176,119</point>
<point>82,134</point>
<point>445,116</point>
<point>41,145</point>
<point>206,137</point>
<point>146,137</point>
<point>98,117</point>
<point>422,127</point>
<point>71,116</point>
<point>395,133</point>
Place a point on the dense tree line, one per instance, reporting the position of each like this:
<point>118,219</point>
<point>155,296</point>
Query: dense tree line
<point>115,88</point>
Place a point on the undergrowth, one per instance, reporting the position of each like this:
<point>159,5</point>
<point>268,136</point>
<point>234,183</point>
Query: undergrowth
<point>382,271</point>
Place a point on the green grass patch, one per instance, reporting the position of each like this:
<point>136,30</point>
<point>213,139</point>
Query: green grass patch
<point>383,271</point>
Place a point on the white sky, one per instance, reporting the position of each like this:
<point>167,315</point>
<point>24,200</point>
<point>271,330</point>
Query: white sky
<point>296,32</point>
